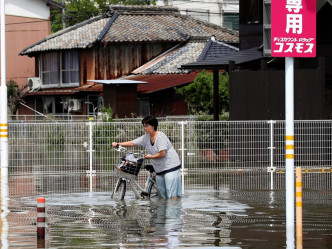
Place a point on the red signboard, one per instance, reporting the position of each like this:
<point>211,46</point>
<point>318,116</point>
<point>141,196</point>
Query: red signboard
<point>293,28</point>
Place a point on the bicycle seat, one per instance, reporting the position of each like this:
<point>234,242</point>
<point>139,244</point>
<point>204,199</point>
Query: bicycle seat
<point>149,168</point>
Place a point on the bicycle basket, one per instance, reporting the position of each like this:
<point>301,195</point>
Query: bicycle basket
<point>132,164</point>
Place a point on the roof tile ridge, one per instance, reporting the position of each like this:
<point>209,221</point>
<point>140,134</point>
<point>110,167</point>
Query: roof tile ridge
<point>171,56</point>
<point>226,45</point>
<point>107,27</point>
<point>157,59</point>
<point>63,31</point>
<point>205,50</point>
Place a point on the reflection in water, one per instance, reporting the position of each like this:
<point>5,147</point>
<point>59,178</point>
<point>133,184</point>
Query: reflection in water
<point>4,208</point>
<point>168,220</point>
<point>4,231</point>
<point>290,242</point>
<point>271,200</point>
<point>236,219</point>
<point>158,222</point>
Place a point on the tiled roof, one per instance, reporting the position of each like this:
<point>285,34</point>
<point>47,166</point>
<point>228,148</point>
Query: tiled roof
<point>133,24</point>
<point>163,72</point>
<point>79,36</point>
<point>192,51</point>
<point>216,49</point>
<point>169,62</point>
<point>239,57</point>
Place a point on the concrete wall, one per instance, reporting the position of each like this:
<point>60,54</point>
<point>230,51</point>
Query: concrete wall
<point>28,8</point>
<point>27,22</point>
<point>21,32</point>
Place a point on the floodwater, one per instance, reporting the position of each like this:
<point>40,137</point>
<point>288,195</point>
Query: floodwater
<point>201,219</point>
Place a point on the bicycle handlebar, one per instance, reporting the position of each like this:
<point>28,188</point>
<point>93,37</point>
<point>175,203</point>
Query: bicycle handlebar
<point>120,148</point>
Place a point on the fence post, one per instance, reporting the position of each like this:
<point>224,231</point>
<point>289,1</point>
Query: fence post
<point>182,123</point>
<point>90,150</point>
<point>271,169</point>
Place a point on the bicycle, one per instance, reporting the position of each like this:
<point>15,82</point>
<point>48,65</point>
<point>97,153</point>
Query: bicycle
<point>127,170</point>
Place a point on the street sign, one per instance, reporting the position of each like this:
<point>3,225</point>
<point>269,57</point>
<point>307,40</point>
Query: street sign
<point>293,34</point>
<point>293,28</point>
<point>267,28</point>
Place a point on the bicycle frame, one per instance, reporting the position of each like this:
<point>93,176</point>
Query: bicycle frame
<point>132,179</point>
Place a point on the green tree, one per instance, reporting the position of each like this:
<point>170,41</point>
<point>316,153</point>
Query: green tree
<point>15,96</point>
<point>77,11</point>
<point>107,114</point>
<point>199,94</point>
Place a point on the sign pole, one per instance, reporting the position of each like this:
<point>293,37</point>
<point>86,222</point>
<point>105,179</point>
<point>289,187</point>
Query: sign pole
<point>293,34</point>
<point>289,132</point>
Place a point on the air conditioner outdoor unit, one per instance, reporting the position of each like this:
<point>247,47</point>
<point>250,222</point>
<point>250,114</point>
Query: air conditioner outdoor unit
<point>34,83</point>
<point>75,104</point>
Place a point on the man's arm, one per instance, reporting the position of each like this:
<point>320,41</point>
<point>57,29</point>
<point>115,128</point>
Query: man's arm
<point>124,144</point>
<point>160,154</point>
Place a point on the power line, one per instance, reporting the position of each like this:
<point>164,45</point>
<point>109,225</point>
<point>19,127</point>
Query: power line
<point>205,12</point>
<point>234,7</point>
<point>200,1</point>
<point>78,16</point>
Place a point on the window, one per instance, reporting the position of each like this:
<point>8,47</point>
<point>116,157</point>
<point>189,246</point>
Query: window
<point>61,105</point>
<point>69,68</point>
<point>231,21</point>
<point>56,105</point>
<point>50,69</point>
<point>51,74</point>
<point>49,105</point>
<point>94,104</point>
<point>143,107</point>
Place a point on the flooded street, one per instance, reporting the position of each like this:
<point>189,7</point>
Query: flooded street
<point>233,198</point>
<point>201,219</point>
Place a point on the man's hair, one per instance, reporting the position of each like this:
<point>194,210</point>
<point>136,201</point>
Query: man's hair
<point>151,121</point>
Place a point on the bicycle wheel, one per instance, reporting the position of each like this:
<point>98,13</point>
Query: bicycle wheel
<point>151,189</point>
<point>120,190</point>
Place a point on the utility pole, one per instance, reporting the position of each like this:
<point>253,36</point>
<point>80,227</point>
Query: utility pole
<point>220,13</point>
<point>63,15</point>
<point>3,118</point>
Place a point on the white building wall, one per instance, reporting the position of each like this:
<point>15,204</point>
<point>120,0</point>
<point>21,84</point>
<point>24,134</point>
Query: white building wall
<point>28,8</point>
<point>207,10</point>
<point>231,6</point>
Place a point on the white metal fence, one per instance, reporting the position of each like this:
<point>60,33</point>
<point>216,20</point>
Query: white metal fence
<point>78,157</point>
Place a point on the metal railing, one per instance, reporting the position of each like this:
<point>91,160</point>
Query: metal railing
<point>78,157</point>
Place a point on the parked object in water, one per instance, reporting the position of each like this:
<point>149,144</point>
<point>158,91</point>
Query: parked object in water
<point>127,170</point>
